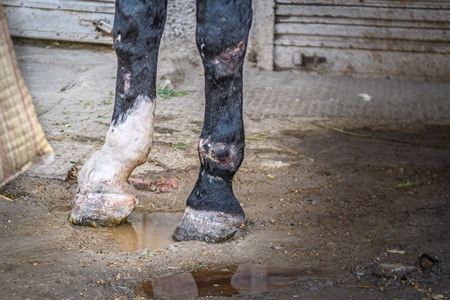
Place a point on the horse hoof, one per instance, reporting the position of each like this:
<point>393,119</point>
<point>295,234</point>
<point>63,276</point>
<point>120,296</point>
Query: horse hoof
<point>101,209</point>
<point>207,226</point>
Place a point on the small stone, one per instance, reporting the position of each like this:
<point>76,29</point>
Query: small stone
<point>394,271</point>
<point>277,247</point>
<point>426,261</point>
<point>272,221</point>
<point>173,248</point>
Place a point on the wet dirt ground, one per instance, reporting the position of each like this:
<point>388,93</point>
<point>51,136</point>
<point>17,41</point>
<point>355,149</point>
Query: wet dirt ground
<point>337,208</point>
<point>365,211</point>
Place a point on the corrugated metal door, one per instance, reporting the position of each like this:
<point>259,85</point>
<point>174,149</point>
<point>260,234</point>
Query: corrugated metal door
<point>66,20</point>
<point>364,37</point>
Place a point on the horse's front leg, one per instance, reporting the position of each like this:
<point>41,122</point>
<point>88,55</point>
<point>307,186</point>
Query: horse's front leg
<point>213,213</point>
<point>104,196</point>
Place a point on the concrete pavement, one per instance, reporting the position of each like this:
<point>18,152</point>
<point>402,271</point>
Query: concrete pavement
<point>73,92</point>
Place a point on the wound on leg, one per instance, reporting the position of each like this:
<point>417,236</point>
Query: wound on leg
<point>230,60</point>
<point>220,158</point>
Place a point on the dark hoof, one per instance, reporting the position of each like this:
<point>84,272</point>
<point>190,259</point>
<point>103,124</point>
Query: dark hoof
<point>101,209</point>
<point>207,226</point>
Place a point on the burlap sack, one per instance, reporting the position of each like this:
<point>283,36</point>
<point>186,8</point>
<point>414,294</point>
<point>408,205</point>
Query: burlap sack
<point>22,140</point>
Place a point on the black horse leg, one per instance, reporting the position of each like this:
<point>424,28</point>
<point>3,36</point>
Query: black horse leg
<point>213,213</point>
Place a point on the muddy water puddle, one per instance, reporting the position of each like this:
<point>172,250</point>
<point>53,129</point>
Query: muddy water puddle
<point>144,230</point>
<point>223,282</point>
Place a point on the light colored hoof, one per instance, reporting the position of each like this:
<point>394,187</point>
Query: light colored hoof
<point>101,209</point>
<point>207,226</point>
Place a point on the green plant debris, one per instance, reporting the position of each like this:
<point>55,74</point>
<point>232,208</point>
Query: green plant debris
<point>102,116</point>
<point>346,132</point>
<point>89,104</point>
<point>178,147</point>
<point>409,183</point>
<point>199,266</point>
<point>67,86</point>
<point>110,100</point>
<point>252,138</point>
<point>6,198</point>
<point>42,113</point>
<point>166,94</point>
<point>67,124</point>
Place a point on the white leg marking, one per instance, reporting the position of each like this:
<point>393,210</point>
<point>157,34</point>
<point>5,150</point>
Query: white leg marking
<point>127,145</point>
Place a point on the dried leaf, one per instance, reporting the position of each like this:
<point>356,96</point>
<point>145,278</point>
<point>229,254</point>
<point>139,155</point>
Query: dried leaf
<point>396,251</point>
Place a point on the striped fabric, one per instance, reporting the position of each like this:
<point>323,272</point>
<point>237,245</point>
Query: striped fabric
<point>22,140</point>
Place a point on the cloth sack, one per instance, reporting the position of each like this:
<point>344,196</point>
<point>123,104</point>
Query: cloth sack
<point>22,140</point>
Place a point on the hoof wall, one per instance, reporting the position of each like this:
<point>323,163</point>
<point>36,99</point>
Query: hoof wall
<point>101,209</point>
<point>207,226</point>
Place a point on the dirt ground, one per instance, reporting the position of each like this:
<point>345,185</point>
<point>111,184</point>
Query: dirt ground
<point>348,209</point>
<point>343,206</point>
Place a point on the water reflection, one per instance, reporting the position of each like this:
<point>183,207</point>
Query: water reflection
<point>152,230</point>
<point>223,282</point>
<point>144,230</point>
